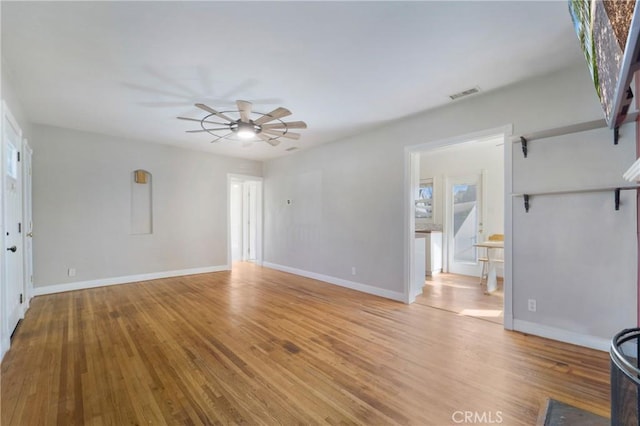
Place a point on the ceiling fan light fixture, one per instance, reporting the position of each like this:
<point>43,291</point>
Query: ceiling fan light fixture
<point>246,134</point>
<point>246,130</point>
<point>268,127</point>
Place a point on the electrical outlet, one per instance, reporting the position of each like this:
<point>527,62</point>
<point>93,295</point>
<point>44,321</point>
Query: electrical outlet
<point>532,305</point>
<point>72,272</point>
<point>289,202</point>
<point>353,270</point>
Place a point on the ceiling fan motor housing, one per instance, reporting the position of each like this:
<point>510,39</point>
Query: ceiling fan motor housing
<point>241,127</point>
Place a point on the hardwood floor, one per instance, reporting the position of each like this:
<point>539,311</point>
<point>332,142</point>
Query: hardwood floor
<point>463,295</point>
<point>258,346</point>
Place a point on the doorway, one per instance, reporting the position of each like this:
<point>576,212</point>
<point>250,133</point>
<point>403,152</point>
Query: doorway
<point>245,219</point>
<point>469,204</point>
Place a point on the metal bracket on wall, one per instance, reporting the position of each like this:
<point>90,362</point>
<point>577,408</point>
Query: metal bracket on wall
<point>616,193</point>
<point>574,128</point>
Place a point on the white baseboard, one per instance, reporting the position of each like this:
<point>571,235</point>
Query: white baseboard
<point>81,285</point>
<point>561,335</point>
<point>365,288</point>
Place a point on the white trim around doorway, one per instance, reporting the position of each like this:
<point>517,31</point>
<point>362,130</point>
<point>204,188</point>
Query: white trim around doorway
<point>239,178</point>
<point>411,180</point>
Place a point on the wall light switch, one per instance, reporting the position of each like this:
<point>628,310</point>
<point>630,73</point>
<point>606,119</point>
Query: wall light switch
<point>72,272</point>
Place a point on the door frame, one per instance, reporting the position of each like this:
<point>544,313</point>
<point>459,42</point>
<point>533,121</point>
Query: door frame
<point>27,221</point>
<point>411,182</point>
<point>250,209</point>
<point>239,178</point>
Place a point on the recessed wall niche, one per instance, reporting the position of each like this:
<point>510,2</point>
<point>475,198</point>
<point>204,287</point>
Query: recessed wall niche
<point>141,203</point>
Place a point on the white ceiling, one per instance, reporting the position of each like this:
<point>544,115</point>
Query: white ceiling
<point>129,68</point>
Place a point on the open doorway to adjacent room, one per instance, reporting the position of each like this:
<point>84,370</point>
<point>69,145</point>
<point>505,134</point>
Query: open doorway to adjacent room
<point>245,219</point>
<point>459,214</point>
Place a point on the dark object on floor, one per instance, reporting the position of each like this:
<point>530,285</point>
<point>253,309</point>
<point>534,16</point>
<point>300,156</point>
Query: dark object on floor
<point>625,374</point>
<point>560,414</point>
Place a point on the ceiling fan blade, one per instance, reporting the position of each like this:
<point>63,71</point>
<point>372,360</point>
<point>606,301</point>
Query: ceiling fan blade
<point>201,121</point>
<point>288,135</point>
<point>207,130</point>
<point>213,111</point>
<point>244,107</point>
<point>290,125</point>
<point>276,113</point>
<point>267,139</point>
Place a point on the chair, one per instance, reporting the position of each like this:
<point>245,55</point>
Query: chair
<point>485,260</point>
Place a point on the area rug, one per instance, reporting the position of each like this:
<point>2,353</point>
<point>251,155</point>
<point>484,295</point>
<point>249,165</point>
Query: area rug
<point>558,413</point>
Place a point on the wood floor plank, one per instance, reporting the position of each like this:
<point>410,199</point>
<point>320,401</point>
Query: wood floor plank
<point>463,294</point>
<point>258,346</point>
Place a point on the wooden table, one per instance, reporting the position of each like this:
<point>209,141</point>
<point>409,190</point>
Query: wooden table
<point>492,282</point>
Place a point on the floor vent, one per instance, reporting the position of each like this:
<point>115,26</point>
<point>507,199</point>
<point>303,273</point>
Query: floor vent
<point>464,93</point>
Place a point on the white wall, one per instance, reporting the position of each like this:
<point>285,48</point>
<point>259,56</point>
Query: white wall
<point>11,98</point>
<point>348,206</point>
<point>81,203</point>
<point>575,254</point>
<point>346,211</point>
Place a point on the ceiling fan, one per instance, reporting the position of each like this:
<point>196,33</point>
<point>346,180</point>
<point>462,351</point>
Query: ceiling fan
<point>249,124</point>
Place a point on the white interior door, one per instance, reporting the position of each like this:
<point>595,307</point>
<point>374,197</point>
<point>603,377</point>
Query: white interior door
<point>250,219</point>
<point>235,220</point>
<point>12,203</point>
<point>27,220</point>
<point>464,223</point>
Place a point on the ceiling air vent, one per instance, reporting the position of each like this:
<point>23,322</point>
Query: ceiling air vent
<point>464,93</point>
<point>293,148</point>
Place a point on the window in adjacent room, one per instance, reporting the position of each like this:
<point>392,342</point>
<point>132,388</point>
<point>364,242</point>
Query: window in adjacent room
<point>424,203</point>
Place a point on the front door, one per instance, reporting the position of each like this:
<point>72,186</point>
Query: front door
<point>12,182</point>
<point>464,224</point>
